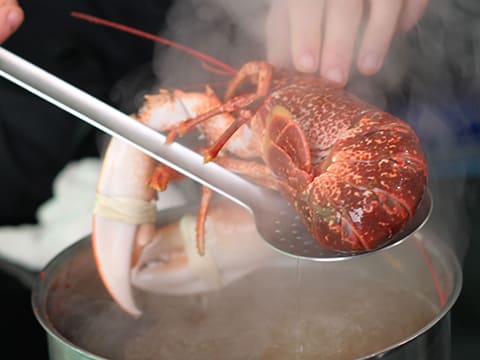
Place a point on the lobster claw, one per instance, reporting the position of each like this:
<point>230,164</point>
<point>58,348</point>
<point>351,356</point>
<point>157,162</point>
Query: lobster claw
<point>113,243</point>
<point>171,264</point>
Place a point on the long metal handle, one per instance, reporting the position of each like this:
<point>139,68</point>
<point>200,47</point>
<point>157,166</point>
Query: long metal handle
<point>118,124</point>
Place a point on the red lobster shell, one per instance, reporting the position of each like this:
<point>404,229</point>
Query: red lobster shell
<point>354,174</point>
<point>366,174</point>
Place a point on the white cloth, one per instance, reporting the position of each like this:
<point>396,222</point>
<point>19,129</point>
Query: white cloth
<point>63,219</point>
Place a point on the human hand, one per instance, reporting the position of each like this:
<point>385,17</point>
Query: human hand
<point>11,16</point>
<point>321,35</point>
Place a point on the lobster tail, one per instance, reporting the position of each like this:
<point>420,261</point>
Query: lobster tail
<point>369,187</point>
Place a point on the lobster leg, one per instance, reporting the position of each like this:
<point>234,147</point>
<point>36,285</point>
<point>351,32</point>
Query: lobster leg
<point>260,71</point>
<point>161,176</point>
<point>159,180</point>
<point>212,152</point>
<point>230,106</point>
<point>202,218</point>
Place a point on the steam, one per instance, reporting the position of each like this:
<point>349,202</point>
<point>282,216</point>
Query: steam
<point>427,74</point>
<point>230,31</point>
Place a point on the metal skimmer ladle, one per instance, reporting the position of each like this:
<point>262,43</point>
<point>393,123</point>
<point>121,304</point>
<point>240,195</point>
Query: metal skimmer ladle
<point>276,221</point>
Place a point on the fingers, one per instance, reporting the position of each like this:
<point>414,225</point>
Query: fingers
<point>341,29</point>
<point>382,23</point>
<point>323,35</point>
<point>277,31</point>
<point>11,16</point>
<point>306,32</point>
<point>412,11</point>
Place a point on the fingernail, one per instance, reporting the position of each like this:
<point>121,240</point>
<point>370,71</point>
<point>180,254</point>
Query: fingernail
<point>14,18</point>
<point>370,62</point>
<point>306,63</point>
<point>334,74</point>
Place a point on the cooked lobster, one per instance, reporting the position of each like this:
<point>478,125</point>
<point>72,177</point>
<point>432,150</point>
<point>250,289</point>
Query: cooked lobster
<point>354,173</point>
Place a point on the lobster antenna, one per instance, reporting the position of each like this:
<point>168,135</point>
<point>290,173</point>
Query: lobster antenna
<point>215,70</point>
<point>199,55</point>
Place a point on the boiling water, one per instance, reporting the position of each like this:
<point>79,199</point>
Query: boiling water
<point>275,313</point>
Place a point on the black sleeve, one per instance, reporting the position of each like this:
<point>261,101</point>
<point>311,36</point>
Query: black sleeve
<point>36,139</point>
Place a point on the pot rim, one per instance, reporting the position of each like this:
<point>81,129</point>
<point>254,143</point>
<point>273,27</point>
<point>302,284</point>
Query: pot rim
<point>457,279</point>
<point>38,305</point>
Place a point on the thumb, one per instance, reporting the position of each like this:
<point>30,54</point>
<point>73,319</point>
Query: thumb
<point>11,17</point>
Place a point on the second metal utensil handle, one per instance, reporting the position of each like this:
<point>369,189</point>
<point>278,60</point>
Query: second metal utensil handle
<point>118,124</point>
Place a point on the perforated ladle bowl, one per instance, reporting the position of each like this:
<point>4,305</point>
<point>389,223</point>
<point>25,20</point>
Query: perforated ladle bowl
<point>276,221</point>
<point>285,232</point>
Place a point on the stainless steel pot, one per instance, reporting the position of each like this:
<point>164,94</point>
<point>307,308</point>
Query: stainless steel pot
<point>390,305</point>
